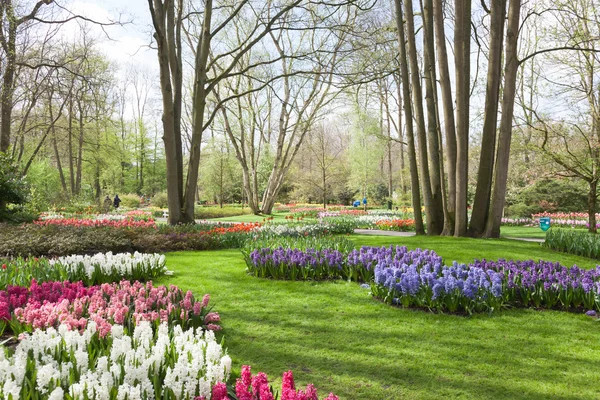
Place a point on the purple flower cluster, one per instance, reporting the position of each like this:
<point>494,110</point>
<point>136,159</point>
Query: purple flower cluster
<point>357,265</point>
<point>547,284</point>
<point>425,282</point>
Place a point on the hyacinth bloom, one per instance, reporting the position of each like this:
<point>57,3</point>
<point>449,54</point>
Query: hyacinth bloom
<point>257,387</point>
<point>192,363</point>
<point>487,285</point>
<point>357,265</point>
<point>71,304</point>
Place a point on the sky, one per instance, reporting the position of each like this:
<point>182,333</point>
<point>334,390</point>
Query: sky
<point>129,43</point>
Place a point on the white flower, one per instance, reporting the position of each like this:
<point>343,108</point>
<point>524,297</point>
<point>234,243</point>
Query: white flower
<point>57,394</point>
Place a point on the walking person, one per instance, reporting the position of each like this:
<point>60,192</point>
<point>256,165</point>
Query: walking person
<point>117,201</point>
<point>107,203</point>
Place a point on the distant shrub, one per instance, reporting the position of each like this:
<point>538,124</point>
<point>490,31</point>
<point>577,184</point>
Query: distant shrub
<point>160,200</point>
<point>217,212</point>
<point>130,200</point>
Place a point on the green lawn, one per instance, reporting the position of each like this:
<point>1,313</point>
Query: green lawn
<point>251,218</point>
<point>522,232</point>
<point>336,336</point>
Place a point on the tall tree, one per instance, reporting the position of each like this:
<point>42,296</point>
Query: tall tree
<point>462,62</point>
<point>481,203</point>
<point>511,67</point>
<point>412,153</point>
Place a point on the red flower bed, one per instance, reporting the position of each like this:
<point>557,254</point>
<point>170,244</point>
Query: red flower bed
<point>79,223</point>
<point>401,225</point>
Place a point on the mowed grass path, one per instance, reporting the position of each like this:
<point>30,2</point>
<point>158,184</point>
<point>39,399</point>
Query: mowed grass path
<point>336,336</point>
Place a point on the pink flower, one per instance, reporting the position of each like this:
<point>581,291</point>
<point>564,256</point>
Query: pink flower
<point>258,382</point>
<point>197,308</point>
<point>332,397</point>
<point>246,375</point>
<point>265,393</point>
<point>212,317</point>
<point>288,389</point>
<point>213,327</point>
<point>219,391</point>
<point>205,300</point>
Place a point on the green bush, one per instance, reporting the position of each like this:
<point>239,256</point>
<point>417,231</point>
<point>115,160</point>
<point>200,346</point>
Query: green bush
<point>548,195</point>
<point>160,200</point>
<point>55,240</point>
<point>130,200</point>
<point>14,190</point>
<point>217,212</point>
<point>573,242</point>
<point>522,210</point>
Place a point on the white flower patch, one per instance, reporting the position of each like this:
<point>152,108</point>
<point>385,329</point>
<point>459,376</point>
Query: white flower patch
<point>123,264</point>
<point>191,361</point>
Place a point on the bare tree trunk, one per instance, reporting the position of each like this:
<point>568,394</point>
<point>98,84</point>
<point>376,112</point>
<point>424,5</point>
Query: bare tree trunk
<point>170,82</point>
<point>435,158</point>
<point>462,50</point>
<point>448,107</point>
<point>592,194</point>
<point>433,223</point>
<point>8,83</point>
<point>508,102</point>
<point>412,154</point>
<point>78,174</point>
<point>481,203</point>
<point>199,101</point>
<point>70,131</point>
<point>57,157</point>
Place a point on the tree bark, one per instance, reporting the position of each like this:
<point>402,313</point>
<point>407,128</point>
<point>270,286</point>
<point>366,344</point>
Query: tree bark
<point>412,154</point>
<point>448,109</point>
<point>492,229</point>
<point>8,80</point>
<point>481,203</point>
<point>434,225</point>
<point>433,142</point>
<point>592,194</point>
<point>462,50</point>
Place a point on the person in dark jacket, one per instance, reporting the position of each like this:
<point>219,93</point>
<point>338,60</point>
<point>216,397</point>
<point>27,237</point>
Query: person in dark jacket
<point>117,201</point>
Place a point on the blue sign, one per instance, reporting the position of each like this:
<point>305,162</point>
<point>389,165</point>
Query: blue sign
<point>356,203</point>
<point>364,200</point>
<point>545,223</point>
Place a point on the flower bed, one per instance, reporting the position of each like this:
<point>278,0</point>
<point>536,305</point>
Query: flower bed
<point>457,288</point>
<point>399,225</point>
<point>317,264</point>
<point>151,363</point>
<point>580,243</point>
<point>50,304</point>
<point>58,240</point>
<point>92,270</point>
<point>257,387</point>
<point>112,223</point>
<point>418,278</point>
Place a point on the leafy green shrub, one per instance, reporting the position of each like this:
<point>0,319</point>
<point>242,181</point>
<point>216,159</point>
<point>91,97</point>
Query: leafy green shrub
<point>160,200</point>
<point>14,190</point>
<point>217,212</point>
<point>547,195</point>
<point>576,242</point>
<point>130,200</point>
<point>59,240</point>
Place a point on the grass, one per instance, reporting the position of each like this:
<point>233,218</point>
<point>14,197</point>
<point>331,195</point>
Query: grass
<point>522,232</point>
<point>336,336</point>
<point>252,218</point>
<point>465,250</point>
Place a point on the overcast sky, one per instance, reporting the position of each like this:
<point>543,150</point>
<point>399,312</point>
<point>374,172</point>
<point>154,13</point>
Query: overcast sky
<point>129,43</point>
